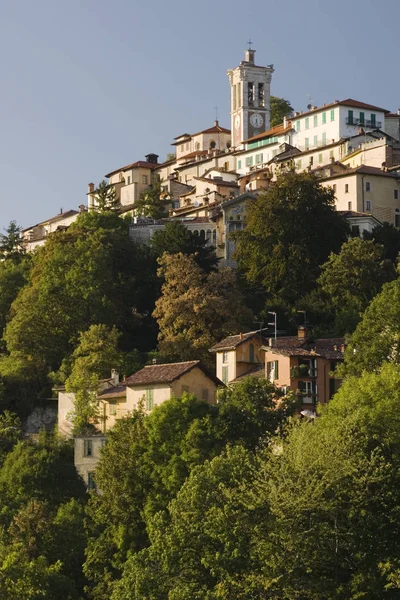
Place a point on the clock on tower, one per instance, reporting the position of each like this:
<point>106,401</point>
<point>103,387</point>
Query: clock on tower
<point>250,98</point>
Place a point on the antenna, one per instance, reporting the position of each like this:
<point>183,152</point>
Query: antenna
<point>216,108</point>
<point>250,43</point>
<point>274,324</point>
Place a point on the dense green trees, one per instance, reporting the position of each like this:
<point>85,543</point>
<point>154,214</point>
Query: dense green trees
<point>280,108</point>
<point>291,230</point>
<point>195,308</point>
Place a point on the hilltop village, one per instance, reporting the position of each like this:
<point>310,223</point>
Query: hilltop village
<point>199,367</point>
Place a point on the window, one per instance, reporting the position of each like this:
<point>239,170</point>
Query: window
<point>315,140</point>
<point>129,180</point>
<point>334,187</point>
<point>212,144</point>
<point>299,164</point>
<point>349,205</point>
<point>397,217</point>
<point>251,353</point>
<point>272,370</point>
<point>225,375</point>
<point>144,179</point>
<point>308,389</point>
<point>368,205</point>
<point>249,161</point>
<point>225,356</point>
<point>332,114</point>
<point>91,483</point>
<point>183,148</point>
<point>367,186</point>
<point>226,166</point>
<point>307,143</point>
<point>307,123</point>
<point>331,155</point>
<point>323,117</point>
<point>204,395</point>
<point>355,232</point>
<point>315,120</point>
<point>373,120</point>
<point>320,157</point>
<point>396,194</point>
<point>88,448</point>
<point>324,139</point>
<point>362,118</point>
<point>350,117</point>
<point>239,164</point>
<point>185,389</point>
<point>113,408</point>
<point>250,93</point>
<point>346,188</point>
<point>187,145</point>
<point>297,125</point>
<point>261,100</point>
<point>259,159</point>
<point>149,399</point>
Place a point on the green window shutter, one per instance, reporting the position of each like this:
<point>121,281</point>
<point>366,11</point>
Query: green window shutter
<point>324,117</point>
<point>307,123</point>
<point>315,140</point>
<point>362,118</point>
<point>239,164</point>
<point>307,143</point>
<point>324,138</point>
<point>225,375</point>
<point>332,114</point>
<point>297,125</point>
<point>320,158</point>
<point>373,120</point>
<point>315,120</point>
<point>149,399</point>
<point>350,117</point>
<point>276,369</point>
<point>251,161</point>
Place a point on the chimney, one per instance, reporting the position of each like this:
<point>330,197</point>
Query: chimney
<point>61,211</point>
<point>301,332</point>
<point>241,335</point>
<point>115,376</point>
<point>270,342</point>
<point>90,188</point>
<point>285,122</point>
<point>82,208</point>
<point>152,158</point>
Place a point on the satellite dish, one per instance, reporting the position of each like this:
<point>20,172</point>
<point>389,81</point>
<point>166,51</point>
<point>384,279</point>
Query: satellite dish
<point>309,106</point>
<point>195,203</point>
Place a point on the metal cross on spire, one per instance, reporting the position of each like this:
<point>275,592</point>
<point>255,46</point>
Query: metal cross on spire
<point>250,43</point>
<point>216,108</point>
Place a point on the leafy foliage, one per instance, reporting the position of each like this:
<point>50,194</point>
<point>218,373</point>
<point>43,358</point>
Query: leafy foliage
<point>196,309</point>
<point>106,197</point>
<point>152,201</point>
<point>291,230</point>
<point>280,108</point>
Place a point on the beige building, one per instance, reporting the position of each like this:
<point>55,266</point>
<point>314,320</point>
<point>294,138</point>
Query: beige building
<point>129,181</point>
<point>238,355</point>
<point>87,451</point>
<point>304,365</point>
<point>156,383</point>
<point>365,189</point>
<point>35,236</point>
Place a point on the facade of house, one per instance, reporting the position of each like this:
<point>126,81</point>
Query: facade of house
<point>305,366</point>
<point>35,236</point>
<point>238,355</point>
<point>154,384</point>
<point>87,451</point>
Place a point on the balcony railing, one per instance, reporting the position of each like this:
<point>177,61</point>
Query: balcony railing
<point>302,371</point>
<point>364,123</point>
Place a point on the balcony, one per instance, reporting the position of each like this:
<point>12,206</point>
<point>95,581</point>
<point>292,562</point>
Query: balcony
<point>302,371</point>
<point>364,123</point>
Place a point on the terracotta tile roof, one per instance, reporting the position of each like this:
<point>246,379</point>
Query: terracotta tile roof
<point>59,217</point>
<point>216,128</point>
<point>194,154</point>
<point>392,115</point>
<point>166,373</point>
<point>233,341</point>
<point>257,371</point>
<point>329,348</point>
<point>217,182</point>
<point>118,391</point>
<point>363,170</point>
<point>348,102</point>
<point>139,163</point>
<point>277,130</point>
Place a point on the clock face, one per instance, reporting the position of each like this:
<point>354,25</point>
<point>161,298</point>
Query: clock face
<point>237,121</point>
<point>256,120</point>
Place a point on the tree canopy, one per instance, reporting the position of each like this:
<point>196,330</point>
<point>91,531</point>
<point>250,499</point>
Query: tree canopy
<point>291,229</point>
<point>280,108</point>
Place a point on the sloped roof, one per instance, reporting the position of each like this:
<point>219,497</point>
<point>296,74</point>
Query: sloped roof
<point>277,130</point>
<point>59,217</point>
<point>118,391</point>
<point>329,348</point>
<point>166,373</point>
<point>233,341</point>
<point>139,163</point>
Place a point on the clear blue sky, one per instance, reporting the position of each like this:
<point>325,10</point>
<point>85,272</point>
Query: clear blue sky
<point>88,86</point>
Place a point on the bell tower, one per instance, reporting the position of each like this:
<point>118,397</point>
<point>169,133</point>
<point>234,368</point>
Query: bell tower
<point>250,93</point>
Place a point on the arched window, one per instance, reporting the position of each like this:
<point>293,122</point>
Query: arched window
<point>212,144</point>
<point>197,145</point>
<point>251,349</point>
<point>397,217</point>
<point>208,235</point>
<point>214,237</point>
<point>202,234</point>
<point>195,232</point>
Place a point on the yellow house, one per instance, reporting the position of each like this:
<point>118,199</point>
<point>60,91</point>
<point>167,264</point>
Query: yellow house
<point>239,355</point>
<point>305,365</point>
<point>157,383</point>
